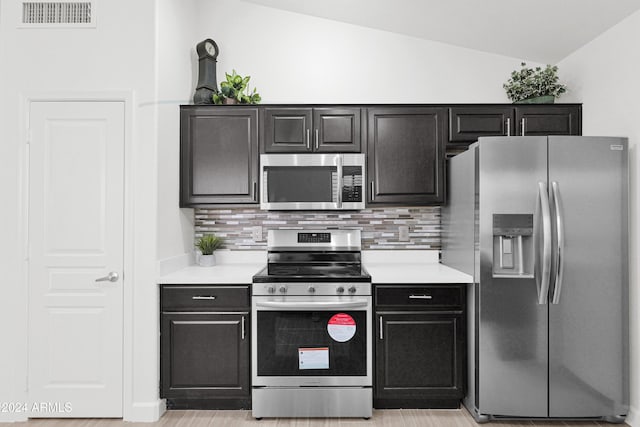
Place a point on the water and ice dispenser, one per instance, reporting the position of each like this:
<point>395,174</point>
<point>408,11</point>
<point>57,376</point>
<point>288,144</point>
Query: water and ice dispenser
<point>513,251</point>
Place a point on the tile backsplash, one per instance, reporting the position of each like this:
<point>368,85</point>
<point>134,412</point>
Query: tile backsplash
<point>380,226</point>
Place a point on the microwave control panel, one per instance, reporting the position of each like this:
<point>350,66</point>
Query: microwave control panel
<point>352,184</point>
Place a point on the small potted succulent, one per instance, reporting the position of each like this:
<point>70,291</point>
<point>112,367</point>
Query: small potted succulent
<point>235,90</point>
<point>207,245</point>
<point>534,86</point>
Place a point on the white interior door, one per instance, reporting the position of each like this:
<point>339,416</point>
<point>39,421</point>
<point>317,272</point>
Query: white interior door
<point>76,202</point>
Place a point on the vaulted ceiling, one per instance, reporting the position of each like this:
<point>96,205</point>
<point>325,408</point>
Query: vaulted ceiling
<point>543,31</point>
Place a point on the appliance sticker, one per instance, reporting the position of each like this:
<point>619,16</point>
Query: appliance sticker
<point>341,327</point>
<point>313,358</point>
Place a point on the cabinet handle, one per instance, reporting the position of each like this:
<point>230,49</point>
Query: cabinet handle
<point>308,139</point>
<point>373,191</point>
<point>509,127</point>
<point>420,297</point>
<point>243,327</point>
<point>317,138</point>
<point>381,337</point>
<point>207,297</point>
<point>522,127</point>
<point>255,191</point>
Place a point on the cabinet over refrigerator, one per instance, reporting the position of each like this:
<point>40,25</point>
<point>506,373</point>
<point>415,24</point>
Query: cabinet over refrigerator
<point>541,224</point>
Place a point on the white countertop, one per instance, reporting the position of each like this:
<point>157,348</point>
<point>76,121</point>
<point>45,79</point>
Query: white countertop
<point>232,268</point>
<point>232,274</point>
<point>405,266</point>
<point>388,267</point>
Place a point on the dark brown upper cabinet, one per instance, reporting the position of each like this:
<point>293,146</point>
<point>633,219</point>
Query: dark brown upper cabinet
<point>548,120</point>
<point>405,155</point>
<point>307,130</point>
<point>218,155</point>
<point>467,124</point>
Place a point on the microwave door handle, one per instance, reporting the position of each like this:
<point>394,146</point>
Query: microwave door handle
<point>340,181</point>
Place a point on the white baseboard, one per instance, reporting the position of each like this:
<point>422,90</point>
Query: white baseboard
<point>633,417</point>
<point>147,412</point>
<point>13,417</point>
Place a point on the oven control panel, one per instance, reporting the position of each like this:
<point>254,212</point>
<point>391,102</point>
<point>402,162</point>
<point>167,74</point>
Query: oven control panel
<point>324,289</point>
<point>314,237</point>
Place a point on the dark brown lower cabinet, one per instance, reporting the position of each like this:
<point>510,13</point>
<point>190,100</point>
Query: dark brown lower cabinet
<point>420,346</point>
<point>204,356</point>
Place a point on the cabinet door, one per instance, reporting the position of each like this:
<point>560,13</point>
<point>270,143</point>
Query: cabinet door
<point>205,355</point>
<point>467,124</point>
<point>405,155</point>
<point>287,130</point>
<point>337,130</point>
<point>419,355</point>
<point>542,120</point>
<point>218,155</point>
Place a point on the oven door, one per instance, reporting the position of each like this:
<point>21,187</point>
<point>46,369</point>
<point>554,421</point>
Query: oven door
<point>318,341</point>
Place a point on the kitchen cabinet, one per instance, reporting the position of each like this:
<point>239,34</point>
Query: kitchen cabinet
<point>419,346</point>
<point>204,346</point>
<point>543,120</point>
<point>469,122</point>
<point>218,155</point>
<point>405,155</point>
<point>306,130</point>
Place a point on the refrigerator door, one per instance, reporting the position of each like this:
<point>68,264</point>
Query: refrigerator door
<point>511,359</point>
<point>588,316</point>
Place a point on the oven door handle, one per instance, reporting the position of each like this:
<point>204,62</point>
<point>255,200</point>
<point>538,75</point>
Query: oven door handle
<point>321,305</point>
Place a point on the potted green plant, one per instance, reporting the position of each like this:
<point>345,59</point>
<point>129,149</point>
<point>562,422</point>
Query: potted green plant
<point>534,86</point>
<point>235,90</point>
<point>207,245</point>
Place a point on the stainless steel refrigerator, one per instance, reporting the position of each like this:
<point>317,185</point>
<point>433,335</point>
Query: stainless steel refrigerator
<point>541,224</point>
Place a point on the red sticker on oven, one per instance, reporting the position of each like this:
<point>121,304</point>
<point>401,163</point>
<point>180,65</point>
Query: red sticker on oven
<point>341,327</point>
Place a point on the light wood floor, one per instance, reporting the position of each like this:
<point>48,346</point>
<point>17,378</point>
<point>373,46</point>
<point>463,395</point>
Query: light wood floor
<point>381,418</point>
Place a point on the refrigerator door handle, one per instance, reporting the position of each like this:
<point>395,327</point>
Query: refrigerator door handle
<point>559,259</point>
<point>544,278</point>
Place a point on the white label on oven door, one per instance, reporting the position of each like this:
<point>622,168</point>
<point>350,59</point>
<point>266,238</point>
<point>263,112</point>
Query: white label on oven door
<point>313,358</point>
<point>341,327</point>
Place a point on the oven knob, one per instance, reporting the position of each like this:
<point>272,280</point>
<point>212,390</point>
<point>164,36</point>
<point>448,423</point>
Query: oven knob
<point>340,289</point>
<point>283,289</point>
<point>352,290</point>
<point>311,289</point>
<point>271,289</point>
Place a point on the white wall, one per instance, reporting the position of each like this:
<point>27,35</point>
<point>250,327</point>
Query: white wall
<point>177,75</point>
<point>293,58</point>
<point>604,76</point>
<point>118,56</point>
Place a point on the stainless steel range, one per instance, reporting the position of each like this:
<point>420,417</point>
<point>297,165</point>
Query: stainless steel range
<point>311,323</point>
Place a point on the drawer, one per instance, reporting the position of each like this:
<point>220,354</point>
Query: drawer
<point>415,297</point>
<point>204,298</point>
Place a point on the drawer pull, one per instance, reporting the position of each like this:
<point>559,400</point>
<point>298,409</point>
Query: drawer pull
<point>420,297</point>
<point>207,297</point>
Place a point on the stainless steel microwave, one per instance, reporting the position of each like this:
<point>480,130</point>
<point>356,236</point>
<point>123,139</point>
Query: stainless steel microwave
<point>312,181</point>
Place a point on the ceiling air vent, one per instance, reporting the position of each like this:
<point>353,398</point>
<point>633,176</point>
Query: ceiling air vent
<point>58,14</point>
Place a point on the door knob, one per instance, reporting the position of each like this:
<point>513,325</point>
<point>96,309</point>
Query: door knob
<point>111,277</point>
